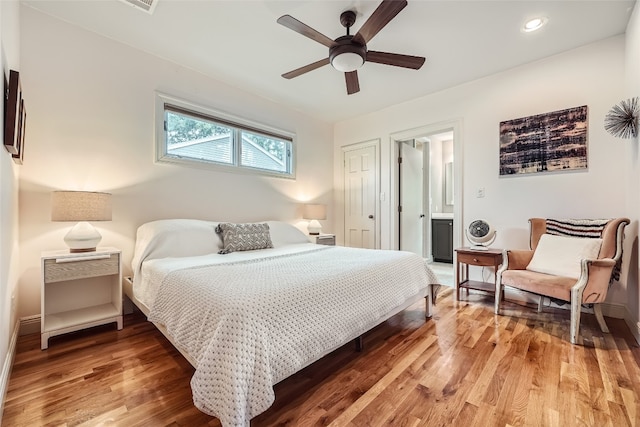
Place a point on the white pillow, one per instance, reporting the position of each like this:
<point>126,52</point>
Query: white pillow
<point>283,234</point>
<point>561,255</point>
<point>174,238</point>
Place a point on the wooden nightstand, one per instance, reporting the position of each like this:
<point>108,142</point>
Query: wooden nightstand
<point>324,239</point>
<point>79,290</point>
<point>466,257</point>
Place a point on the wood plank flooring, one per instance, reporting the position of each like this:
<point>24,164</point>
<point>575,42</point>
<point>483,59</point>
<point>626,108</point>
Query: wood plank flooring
<point>464,367</point>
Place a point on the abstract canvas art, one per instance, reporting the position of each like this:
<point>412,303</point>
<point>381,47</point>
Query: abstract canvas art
<point>549,142</point>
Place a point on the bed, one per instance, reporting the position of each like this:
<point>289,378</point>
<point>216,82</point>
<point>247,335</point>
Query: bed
<point>247,319</point>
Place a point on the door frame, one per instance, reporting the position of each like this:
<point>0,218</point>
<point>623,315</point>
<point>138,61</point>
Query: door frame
<point>375,143</point>
<point>455,125</point>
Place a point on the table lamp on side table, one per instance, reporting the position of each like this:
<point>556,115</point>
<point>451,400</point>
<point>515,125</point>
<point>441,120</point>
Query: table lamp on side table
<point>314,212</point>
<point>82,206</point>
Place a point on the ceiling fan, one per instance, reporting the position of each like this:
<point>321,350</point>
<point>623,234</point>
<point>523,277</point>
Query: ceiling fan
<point>349,52</point>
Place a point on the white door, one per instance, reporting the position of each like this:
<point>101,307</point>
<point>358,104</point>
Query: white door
<point>411,199</point>
<point>360,178</point>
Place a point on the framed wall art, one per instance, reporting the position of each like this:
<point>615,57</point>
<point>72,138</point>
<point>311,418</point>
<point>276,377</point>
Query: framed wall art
<point>12,99</point>
<point>549,142</point>
<point>22,125</point>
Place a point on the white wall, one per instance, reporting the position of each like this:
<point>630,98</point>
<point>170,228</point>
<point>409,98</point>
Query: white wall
<point>9,172</point>
<point>447,157</point>
<point>436,172</point>
<point>441,153</point>
<point>632,160</point>
<point>91,127</point>
<point>590,75</point>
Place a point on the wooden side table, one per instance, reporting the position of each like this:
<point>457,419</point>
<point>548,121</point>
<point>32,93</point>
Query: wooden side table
<point>466,257</point>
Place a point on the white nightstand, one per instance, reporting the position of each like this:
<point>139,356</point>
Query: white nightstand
<point>324,239</point>
<point>79,290</point>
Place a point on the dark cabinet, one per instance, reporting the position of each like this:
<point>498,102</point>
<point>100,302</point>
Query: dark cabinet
<point>442,240</point>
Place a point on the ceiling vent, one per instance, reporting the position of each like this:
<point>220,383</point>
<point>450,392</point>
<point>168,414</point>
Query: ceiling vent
<point>146,5</point>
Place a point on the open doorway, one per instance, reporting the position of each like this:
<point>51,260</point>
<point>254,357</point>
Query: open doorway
<point>428,194</point>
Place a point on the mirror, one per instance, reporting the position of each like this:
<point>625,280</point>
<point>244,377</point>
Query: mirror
<point>448,183</point>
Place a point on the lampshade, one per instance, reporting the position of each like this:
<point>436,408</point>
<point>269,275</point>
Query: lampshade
<point>314,212</point>
<point>81,206</point>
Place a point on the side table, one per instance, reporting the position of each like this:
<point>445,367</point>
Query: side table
<point>79,290</point>
<point>483,258</point>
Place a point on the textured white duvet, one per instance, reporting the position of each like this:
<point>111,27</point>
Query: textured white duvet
<point>251,319</point>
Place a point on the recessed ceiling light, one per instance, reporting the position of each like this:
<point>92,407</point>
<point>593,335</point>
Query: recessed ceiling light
<point>534,24</point>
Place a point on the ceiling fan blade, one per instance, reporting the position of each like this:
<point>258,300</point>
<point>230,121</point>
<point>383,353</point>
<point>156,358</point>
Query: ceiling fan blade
<point>297,26</point>
<point>353,85</point>
<point>386,11</point>
<point>395,59</point>
<point>306,68</point>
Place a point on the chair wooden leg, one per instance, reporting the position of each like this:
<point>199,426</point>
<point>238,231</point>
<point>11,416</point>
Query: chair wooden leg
<point>499,288</point>
<point>597,310</point>
<point>540,303</point>
<point>575,319</point>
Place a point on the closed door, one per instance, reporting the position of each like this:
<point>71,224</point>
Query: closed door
<point>411,199</point>
<point>360,178</point>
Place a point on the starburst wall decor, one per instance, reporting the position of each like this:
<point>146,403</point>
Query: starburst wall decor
<point>622,120</point>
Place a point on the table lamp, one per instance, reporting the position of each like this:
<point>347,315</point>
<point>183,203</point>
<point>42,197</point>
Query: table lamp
<point>82,206</point>
<point>314,212</point>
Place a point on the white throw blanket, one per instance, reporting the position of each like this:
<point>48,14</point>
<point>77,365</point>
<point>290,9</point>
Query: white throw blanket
<point>250,324</point>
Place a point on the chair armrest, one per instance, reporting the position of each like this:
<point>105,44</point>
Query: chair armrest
<point>599,263</point>
<point>517,259</point>
<point>594,279</point>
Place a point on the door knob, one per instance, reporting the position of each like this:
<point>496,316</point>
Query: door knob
<point>421,215</point>
<point>370,216</point>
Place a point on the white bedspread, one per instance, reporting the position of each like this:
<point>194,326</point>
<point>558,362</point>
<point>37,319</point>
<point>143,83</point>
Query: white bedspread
<point>249,323</point>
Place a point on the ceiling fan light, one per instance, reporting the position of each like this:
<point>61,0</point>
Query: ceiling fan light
<point>347,62</point>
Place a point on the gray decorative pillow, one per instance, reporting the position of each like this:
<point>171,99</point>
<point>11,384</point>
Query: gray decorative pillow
<point>243,237</point>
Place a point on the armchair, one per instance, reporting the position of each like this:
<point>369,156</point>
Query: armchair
<point>581,280</point>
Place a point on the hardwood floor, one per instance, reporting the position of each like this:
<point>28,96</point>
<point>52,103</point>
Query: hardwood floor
<point>464,367</point>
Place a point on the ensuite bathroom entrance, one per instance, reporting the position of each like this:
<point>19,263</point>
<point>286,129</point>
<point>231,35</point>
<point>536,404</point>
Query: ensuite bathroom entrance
<point>426,199</point>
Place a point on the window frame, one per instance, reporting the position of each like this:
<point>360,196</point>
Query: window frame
<point>166,103</point>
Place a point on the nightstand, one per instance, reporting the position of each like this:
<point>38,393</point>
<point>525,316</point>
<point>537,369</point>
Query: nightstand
<point>79,290</point>
<point>324,239</point>
<point>467,257</point>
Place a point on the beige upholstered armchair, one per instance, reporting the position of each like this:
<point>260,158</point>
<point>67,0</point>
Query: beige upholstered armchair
<point>570,260</point>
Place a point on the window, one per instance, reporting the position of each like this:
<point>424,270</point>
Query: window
<point>196,136</point>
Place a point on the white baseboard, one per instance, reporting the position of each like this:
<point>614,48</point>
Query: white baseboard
<point>30,325</point>
<point>633,324</point>
<point>617,311</point>
<point>6,367</point>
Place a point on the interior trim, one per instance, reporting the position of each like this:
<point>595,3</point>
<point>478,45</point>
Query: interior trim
<point>8,365</point>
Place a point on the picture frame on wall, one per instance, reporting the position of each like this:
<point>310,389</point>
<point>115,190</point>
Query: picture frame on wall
<point>549,142</point>
<point>13,98</point>
<point>22,125</point>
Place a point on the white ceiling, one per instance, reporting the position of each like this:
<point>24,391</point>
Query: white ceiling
<point>240,43</point>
